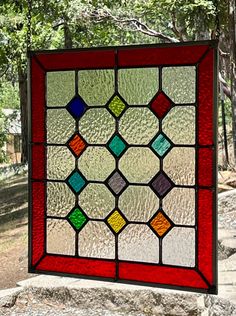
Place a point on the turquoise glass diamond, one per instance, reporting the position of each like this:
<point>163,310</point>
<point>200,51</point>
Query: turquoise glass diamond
<point>76,182</point>
<point>161,145</point>
<point>117,145</point>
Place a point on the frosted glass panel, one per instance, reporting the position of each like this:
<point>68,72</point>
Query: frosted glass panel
<point>139,165</point>
<point>138,203</point>
<point>179,205</point>
<point>96,240</point>
<point>179,165</point>
<point>96,200</point>
<point>137,86</point>
<point>178,247</point>
<point>138,243</point>
<point>96,86</point>
<point>96,163</point>
<point>60,200</point>
<point>60,237</point>
<point>179,125</point>
<point>179,83</point>
<point>60,162</point>
<point>97,126</point>
<point>138,126</point>
<point>60,87</point>
<point>60,126</point>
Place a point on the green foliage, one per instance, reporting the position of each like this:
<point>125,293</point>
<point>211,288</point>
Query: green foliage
<point>9,97</point>
<point>80,24</point>
<point>228,113</point>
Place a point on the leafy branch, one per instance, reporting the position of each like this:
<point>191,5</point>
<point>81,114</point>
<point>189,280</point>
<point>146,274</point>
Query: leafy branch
<point>104,14</point>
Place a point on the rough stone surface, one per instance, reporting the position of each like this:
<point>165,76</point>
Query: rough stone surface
<point>8,297</point>
<point>227,209</point>
<point>50,295</point>
<point>226,243</point>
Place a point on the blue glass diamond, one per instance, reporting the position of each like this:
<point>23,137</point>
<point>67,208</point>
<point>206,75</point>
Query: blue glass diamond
<point>161,145</point>
<point>76,107</point>
<point>76,182</point>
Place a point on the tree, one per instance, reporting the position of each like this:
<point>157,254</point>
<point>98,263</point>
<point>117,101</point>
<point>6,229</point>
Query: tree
<point>73,23</point>
<point>232,27</point>
<point>182,20</point>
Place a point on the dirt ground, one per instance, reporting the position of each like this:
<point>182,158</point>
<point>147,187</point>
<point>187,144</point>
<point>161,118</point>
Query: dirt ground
<point>13,256</point>
<point>13,231</point>
<point>13,195</point>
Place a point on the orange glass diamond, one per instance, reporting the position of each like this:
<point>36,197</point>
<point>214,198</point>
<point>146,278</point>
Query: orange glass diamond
<point>77,145</point>
<point>160,224</point>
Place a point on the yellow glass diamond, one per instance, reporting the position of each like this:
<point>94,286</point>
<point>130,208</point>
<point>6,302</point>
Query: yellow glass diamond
<point>117,106</point>
<point>116,221</point>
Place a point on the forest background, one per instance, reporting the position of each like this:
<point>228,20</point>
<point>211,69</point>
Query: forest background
<point>53,24</point>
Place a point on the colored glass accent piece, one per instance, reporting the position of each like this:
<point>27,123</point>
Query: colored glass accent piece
<point>76,107</point>
<point>76,182</point>
<point>116,106</point>
<point>77,218</point>
<point>116,182</point>
<point>160,105</point>
<point>160,224</point>
<point>76,145</point>
<point>161,184</point>
<point>161,145</point>
<point>116,221</point>
<point>117,145</point>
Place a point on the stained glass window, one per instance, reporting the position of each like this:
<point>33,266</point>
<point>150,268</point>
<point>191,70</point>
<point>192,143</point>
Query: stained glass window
<point>123,164</point>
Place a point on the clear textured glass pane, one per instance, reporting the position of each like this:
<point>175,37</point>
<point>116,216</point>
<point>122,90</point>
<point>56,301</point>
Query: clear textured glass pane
<point>60,87</point>
<point>139,165</point>
<point>60,199</point>
<point>137,86</point>
<point>138,203</point>
<point>178,247</point>
<point>138,126</point>
<point>179,83</point>
<point>179,165</point>
<point>60,162</point>
<point>96,200</point>
<point>97,126</point>
<point>96,163</point>
<point>60,237</point>
<point>60,126</point>
<point>96,240</point>
<point>138,243</point>
<point>96,86</point>
<point>179,125</point>
<point>179,205</point>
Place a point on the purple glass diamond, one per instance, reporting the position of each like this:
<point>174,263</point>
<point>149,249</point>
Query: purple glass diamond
<point>117,182</point>
<point>161,184</point>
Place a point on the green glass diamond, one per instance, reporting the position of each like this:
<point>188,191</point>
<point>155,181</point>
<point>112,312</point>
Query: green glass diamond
<point>117,106</point>
<point>117,145</point>
<point>161,145</point>
<point>77,218</point>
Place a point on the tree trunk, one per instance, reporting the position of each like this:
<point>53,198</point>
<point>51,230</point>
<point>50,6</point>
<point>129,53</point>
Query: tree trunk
<point>232,28</point>
<point>24,113</point>
<point>67,36</point>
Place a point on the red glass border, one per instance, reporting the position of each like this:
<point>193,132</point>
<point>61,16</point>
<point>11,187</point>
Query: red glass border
<point>204,278</point>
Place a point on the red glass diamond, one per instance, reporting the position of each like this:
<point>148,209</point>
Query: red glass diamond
<point>160,105</point>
